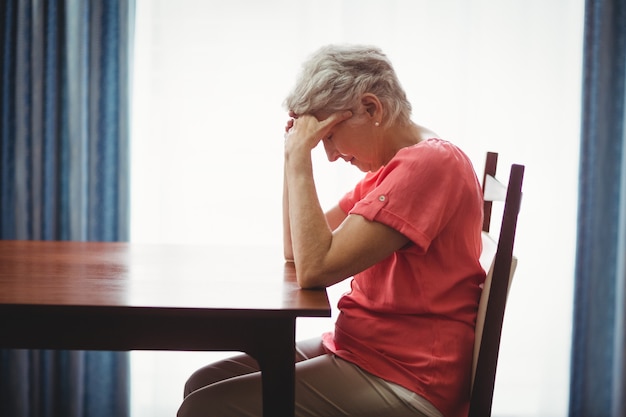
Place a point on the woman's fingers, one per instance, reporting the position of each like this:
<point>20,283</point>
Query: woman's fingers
<point>336,118</point>
<point>289,125</point>
<point>310,130</point>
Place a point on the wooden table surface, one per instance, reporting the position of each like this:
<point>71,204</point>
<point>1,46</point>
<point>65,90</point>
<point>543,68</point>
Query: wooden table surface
<point>124,275</point>
<point>127,296</point>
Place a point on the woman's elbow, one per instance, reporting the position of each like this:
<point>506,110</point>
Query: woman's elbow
<point>309,284</point>
<point>314,278</point>
<point>306,277</point>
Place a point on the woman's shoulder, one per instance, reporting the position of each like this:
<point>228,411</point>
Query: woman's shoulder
<point>434,147</point>
<point>433,153</point>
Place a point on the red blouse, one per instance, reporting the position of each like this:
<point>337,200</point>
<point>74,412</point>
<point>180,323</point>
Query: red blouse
<point>410,318</point>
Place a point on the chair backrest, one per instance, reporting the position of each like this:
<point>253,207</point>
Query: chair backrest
<point>498,260</point>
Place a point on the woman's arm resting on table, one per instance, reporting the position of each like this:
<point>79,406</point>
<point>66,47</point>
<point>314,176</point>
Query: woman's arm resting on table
<point>356,245</point>
<point>324,256</point>
<point>334,217</point>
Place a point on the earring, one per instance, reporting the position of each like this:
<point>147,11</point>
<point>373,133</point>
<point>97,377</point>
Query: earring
<point>376,124</point>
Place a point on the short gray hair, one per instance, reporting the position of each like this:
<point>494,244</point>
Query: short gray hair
<point>336,76</point>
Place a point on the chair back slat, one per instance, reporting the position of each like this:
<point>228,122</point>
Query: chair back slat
<point>487,261</point>
<point>493,300</point>
<point>491,164</point>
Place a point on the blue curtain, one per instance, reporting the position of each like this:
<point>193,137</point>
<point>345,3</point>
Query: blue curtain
<point>598,374</point>
<point>64,115</point>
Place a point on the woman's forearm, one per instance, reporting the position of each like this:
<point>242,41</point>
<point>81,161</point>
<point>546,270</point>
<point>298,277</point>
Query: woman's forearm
<point>306,230</point>
<point>287,246</point>
<point>310,233</point>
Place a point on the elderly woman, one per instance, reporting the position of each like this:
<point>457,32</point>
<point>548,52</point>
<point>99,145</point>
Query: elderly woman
<point>409,234</point>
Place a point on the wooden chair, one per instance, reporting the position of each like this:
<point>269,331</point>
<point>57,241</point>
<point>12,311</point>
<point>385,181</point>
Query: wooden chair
<point>497,258</point>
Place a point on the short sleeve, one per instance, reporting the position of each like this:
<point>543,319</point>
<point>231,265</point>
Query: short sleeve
<point>417,192</point>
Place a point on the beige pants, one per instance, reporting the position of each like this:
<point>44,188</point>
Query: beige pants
<point>325,386</point>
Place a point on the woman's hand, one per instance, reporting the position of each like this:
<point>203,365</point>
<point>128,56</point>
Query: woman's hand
<point>303,133</point>
<point>290,122</point>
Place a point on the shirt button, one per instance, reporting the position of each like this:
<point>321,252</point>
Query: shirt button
<point>381,198</point>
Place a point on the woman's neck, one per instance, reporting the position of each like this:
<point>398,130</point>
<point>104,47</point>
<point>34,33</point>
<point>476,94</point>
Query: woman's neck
<point>398,137</point>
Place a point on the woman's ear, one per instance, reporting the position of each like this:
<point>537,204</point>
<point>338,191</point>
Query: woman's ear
<point>372,106</point>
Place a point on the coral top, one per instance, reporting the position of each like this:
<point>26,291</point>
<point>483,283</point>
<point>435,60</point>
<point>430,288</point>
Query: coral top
<point>410,318</point>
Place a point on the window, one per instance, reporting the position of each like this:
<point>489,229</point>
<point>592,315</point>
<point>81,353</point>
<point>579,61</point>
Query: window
<point>210,78</point>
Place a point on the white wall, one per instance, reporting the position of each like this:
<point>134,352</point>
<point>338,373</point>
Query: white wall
<point>500,75</point>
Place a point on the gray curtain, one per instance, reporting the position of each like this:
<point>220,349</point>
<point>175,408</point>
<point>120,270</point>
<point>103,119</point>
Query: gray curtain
<point>64,116</point>
<point>598,385</point>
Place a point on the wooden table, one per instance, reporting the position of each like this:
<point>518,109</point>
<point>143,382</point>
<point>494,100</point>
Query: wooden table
<point>121,296</point>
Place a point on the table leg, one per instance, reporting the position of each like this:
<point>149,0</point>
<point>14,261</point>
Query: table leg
<point>276,358</point>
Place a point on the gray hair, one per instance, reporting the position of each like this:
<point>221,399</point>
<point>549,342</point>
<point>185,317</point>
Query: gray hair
<point>336,76</point>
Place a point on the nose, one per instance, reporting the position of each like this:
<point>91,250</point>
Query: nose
<point>331,152</point>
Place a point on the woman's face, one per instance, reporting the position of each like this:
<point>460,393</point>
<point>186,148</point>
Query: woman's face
<point>352,141</point>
